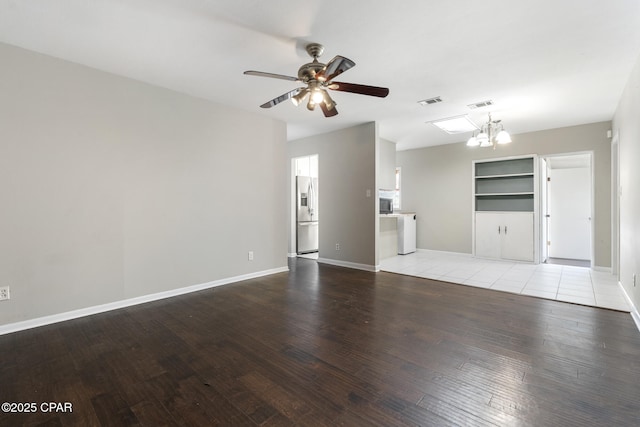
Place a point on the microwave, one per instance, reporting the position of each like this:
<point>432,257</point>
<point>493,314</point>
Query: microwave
<point>386,205</point>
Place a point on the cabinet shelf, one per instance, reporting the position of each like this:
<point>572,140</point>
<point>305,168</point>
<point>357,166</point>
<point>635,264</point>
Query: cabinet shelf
<point>510,184</point>
<point>520,166</point>
<point>505,203</point>
<point>525,193</point>
<point>507,175</point>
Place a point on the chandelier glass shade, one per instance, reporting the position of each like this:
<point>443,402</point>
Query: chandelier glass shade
<point>491,134</point>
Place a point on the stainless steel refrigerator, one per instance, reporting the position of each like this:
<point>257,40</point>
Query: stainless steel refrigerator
<point>307,214</point>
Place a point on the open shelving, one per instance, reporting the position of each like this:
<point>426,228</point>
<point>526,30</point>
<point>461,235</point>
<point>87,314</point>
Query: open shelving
<point>504,185</point>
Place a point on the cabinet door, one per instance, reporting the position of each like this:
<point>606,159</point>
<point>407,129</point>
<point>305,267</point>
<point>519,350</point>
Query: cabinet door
<point>517,237</point>
<point>488,234</point>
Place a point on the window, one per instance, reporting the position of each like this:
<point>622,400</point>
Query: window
<point>396,197</point>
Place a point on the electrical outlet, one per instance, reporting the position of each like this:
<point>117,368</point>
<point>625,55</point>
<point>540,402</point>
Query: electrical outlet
<point>4,293</point>
<point>250,255</point>
<point>337,246</point>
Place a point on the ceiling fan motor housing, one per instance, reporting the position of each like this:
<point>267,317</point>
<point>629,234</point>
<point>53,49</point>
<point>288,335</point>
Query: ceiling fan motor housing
<point>315,50</point>
<point>308,71</point>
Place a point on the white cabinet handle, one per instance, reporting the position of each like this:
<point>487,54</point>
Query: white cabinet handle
<point>499,229</point>
<point>505,229</point>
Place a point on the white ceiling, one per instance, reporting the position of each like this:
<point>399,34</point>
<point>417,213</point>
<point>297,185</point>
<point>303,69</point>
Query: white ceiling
<point>544,63</point>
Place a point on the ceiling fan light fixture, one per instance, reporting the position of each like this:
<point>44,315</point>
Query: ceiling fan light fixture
<point>317,96</point>
<point>299,97</point>
<point>328,102</point>
<point>318,77</point>
<point>311,105</point>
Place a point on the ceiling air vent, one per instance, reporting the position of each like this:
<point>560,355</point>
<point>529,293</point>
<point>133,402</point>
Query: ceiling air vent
<point>430,101</point>
<point>480,104</point>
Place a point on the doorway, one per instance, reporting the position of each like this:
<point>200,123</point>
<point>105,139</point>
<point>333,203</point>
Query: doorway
<point>306,215</point>
<point>567,210</point>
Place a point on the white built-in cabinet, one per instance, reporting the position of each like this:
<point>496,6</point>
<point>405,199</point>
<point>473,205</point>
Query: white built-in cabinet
<point>504,202</point>
<point>505,235</point>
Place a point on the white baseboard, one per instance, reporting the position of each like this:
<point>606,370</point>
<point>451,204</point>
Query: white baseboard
<point>635,315</point>
<point>88,311</point>
<point>636,318</point>
<point>603,269</point>
<point>292,255</point>
<point>355,265</point>
<point>445,252</point>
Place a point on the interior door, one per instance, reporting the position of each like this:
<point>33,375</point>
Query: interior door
<point>570,213</point>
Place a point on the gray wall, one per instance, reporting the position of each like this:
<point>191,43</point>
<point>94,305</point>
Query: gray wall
<point>346,170</point>
<point>627,126</point>
<point>436,183</point>
<point>113,189</point>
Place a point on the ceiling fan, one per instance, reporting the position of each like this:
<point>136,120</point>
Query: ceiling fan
<point>318,77</point>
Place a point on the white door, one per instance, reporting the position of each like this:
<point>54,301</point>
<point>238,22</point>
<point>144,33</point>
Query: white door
<point>570,213</point>
<point>488,234</point>
<point>517,236</point>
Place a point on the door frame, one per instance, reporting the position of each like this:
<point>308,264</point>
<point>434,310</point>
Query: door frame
<point>544,200</point>
<point>293,223</point>
<point>544,203</point>
<point>615,205</point>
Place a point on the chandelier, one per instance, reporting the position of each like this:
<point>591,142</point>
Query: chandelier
<point>490,134</point>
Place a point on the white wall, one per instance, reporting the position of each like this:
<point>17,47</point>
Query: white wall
<point>627,126</point>
<point>347,169</point>
<point>113,189</point>
<point>436,183</point>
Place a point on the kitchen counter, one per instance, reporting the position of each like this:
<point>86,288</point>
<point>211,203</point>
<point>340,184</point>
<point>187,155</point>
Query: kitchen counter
<point>396,214</point>
<point>388,233</point>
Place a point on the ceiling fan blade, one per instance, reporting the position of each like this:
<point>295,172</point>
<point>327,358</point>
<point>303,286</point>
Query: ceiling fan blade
<point>328,112</point>
<point>361,89</point>
<point>335,67</point>
<point>279,99</point>
<point>271,75</point>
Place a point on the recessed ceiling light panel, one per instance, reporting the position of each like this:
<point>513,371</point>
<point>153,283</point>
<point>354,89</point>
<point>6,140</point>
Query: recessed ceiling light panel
<point>454,125</point>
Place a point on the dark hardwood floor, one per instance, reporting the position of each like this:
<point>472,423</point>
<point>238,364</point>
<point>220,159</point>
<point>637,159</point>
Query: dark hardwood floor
<point>324,345</point>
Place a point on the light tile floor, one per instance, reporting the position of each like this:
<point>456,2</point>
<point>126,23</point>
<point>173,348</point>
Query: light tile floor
<point>558,282</point>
